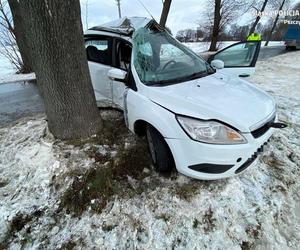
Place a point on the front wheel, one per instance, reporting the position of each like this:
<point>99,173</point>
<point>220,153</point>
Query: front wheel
<point>160,153</point>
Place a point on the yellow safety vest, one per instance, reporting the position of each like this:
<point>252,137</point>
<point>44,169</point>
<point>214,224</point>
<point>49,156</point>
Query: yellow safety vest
<point>253,37</point>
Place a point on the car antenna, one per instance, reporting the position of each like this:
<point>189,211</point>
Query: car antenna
<point>146,9</point>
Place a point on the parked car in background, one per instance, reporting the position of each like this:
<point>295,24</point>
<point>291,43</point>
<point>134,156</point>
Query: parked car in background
<point>292,37</point>
<point>199,116</point>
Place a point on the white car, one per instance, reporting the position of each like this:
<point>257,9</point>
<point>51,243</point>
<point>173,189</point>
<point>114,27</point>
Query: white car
<point>197,115</point>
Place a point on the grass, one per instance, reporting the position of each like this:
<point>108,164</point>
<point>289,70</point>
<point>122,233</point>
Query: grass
<point>195,223</point>
<point>186,191</point>
<point>108,177</point>
<point>3,183</point>
<point>209,221</point>
<point>113,131</point>
<point>17,224</point>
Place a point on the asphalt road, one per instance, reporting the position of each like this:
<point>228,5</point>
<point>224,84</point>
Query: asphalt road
<point>268,52</point>
<point>19,100</point>
<point>22,99</point>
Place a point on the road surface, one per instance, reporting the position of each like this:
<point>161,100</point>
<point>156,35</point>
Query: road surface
<point>271,51</point>
<point>19,100</point>
<point>22,99</point>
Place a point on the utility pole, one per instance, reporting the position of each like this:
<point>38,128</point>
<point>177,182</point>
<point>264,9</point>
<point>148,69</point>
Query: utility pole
<point>86,14</point>
<point>119,7</point>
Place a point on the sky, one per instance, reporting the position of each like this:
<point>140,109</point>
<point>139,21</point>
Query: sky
<point>183,13</point>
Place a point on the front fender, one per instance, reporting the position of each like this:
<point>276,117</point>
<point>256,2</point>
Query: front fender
<point>142,108</point>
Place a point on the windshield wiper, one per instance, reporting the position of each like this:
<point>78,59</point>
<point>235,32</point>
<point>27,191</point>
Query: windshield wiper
<point>198,75</point>
<point>178,80</point>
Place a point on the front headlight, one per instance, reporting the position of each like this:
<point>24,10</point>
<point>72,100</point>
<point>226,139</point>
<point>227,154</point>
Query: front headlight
<point>210,131</point>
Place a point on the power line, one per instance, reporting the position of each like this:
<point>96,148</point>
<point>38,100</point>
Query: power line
<point>146,8</point>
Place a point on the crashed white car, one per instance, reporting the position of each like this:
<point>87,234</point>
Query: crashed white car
<point>197,115</point>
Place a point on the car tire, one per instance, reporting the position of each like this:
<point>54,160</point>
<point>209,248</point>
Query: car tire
<point>159,151</point>
<point>291,47</point>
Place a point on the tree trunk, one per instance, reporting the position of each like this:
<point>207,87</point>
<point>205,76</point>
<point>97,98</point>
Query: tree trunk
<point>274,24</point>
<point>54,32</point>
<point>258,17</point>
<point>165,12</point>
<point>18,31</point>
<point>216,27</point>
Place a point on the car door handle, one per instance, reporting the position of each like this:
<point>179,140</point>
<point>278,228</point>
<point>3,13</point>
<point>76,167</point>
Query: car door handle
<point>244,75</point>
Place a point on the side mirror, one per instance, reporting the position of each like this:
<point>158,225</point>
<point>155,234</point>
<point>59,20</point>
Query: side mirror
<point>217,64</point>
<point>117,74</point>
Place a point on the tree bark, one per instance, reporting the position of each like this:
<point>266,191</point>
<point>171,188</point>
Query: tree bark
<point>54,32</point>
<point>274,24</point>
<point>216,26</point>
<point>165,12</point>
<point>18,31</point>
<point>258,17</point>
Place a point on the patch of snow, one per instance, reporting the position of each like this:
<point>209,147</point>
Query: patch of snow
<point>8,72</point>
<point>12,78</point>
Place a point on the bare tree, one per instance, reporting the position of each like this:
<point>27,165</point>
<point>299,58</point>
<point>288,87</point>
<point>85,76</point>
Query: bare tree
<point>253,27</point>
<point>54,30</point>
<point>165,12</point>
<point>283,2</point>
<point>20,37</point>
<point>223,14</point>
<point>7,38</point>
<point>274,25</point>
<point>216,26</point>
<point>14,48</point>
<point>186,35</point>
<point>238,32</point>
<point>119,7</point>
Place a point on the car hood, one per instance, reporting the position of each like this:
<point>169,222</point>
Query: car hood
<point>218,96</point>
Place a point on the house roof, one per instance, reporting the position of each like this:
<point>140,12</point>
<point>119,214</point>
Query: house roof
<point>124,26</point>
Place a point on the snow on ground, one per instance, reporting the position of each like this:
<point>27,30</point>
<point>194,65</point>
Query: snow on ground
<point>12,78</point>
<point>258,209</point>
<point>8,72</point>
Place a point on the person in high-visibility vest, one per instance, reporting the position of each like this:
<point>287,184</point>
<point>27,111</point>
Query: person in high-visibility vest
<point>255,37</point>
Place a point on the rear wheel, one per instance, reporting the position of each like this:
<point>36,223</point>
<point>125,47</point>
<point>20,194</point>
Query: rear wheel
<point>290,47</point>
<point>160,153</point>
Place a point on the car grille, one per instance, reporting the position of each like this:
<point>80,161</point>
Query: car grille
<point>251,159</point>
<point>263,129</point>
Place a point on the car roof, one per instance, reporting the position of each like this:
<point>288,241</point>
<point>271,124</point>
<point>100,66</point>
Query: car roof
<point>123,26</point>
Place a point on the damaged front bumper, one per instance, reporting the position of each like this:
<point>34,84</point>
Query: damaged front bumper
<point>209,161</point>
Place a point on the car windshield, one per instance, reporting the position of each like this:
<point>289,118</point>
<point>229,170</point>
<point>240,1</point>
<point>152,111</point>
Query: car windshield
<point>160,59</point>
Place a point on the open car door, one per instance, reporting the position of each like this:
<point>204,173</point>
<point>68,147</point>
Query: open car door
<point>239,58</point>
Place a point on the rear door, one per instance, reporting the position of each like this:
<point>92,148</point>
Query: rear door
<point>239,58</point>
<point>99,55</point>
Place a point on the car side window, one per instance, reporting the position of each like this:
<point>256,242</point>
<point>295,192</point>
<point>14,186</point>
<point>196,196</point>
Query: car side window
<point>99,50</point>
<point>123,55</point>
<point>238,55</point>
